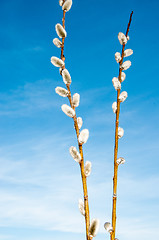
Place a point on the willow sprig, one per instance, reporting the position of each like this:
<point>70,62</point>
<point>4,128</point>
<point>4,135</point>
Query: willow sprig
<point>82,136</point>
<point>119,132</point>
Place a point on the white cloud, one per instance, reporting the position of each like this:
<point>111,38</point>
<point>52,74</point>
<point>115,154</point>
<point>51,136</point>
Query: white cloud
<point>28,98</point>
<point>39,192</point>
<point>5,236</point>
<point>41,184</point>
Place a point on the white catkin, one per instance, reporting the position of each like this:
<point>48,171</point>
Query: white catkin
<point>67,5</point>
<point>76,100</point>
<point>57,62</point>
<point>57,42</point>
<point>87,168</point>
<point>120,161</point>
<point>108,227</point>
<point>122,38</point>
<point>61,91</point>
<point>123,76</point>
<point>75,154</point>
<point>116,83</point>
<point>61,2</point>
<point>94,227</point>
<point>66,76</point>
<point>68,110</point>
<point>114,107</point>
<point>81,206</point>
<point>79,122</point>
<point>128,52</point>
<point>128,38</point>
<point>117,57</point>
<point>61,32</point>
<point>123,96</point>
<point>125,65</point>
<point>83,136</point>
<point>120,132</point>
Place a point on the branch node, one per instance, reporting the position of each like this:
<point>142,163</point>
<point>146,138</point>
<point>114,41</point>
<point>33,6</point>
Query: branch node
<point>86,197</point>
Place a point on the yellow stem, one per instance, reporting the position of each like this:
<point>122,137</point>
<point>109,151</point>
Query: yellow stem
<point>112,235</point>
<point>84,179</point>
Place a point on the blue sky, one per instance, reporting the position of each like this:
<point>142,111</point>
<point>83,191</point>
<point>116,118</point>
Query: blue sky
<point>39,182</point>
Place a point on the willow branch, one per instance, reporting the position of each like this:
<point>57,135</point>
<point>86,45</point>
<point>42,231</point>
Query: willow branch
<point>112,236</point>
<point>84,180</point>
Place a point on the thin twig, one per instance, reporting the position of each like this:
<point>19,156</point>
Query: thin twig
<point>84,179</point>
<point>112,236</point>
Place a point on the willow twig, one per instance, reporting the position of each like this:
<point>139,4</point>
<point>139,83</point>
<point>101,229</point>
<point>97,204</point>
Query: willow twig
<point>112,235</point>
<point>84,180</point>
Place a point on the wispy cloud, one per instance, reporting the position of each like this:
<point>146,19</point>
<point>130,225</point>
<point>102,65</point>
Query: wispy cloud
<point>41,185</point>
<point>39,191</point>
<point>31,97</point>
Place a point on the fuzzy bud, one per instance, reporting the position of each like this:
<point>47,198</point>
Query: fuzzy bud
<point>128,52</point>
<point>94,227</point>
<point>83,137</point>
<point>108,227</point>
<point>61,32</point>
<point>116,83</point>
<point>61,2</point>
<point>120,161</point>
<point>75,154</point>
<point>120,132</point>
<point>128,38</point>
<point>87,168</point>
<point>81,206</point>
<point>114,107</point>
<point>66,76</point>
<point>76,100</point>
<point>67,5</point>
<point>125,65</point>
<point>123,76</point>
<point>117,57</point>
<point>68,110</point>
<point>123,95</point>
<point>122,38</point>
<point>57,42</point>
<point>57,62</point>
<point>61,91</point>
<point>79,122</point>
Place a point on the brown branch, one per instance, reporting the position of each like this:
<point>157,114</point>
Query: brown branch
<point>112,236</point>
<point>84,179</point>
<point>63,39</point>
